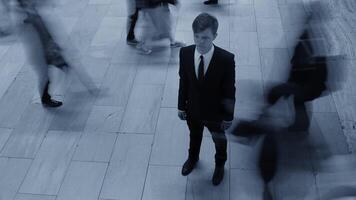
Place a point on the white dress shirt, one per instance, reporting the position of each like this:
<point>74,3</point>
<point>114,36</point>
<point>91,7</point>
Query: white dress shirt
<point>207,58</point>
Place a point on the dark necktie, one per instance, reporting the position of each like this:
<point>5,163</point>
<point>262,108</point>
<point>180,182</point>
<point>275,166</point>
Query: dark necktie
<point>201,68</point>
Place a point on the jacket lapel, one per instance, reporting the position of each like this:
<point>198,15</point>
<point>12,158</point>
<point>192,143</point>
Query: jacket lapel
<point>212,64</point>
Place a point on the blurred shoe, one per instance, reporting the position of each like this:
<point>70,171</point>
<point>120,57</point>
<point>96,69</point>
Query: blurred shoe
<point>211,2</point>
<point>218,175</point>
<point>132,42</point>
<point>143,49</point>
<point>188,166</point>
<point>51,103</point>
<point>297,128</point>
<point>177,44</point>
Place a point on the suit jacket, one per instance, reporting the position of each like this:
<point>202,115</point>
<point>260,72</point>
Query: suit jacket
<point>212,99</point>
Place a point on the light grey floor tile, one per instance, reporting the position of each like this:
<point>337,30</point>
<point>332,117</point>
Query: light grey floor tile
<point>275,66</point>
<point>101,52</point>
<point>8,74</point>
<point>325,103</point>
<point>74,9</point>
<point>200,186</point>
<point>109,30</point>
<point>95,147</point>
<point>50,165</point>
<point>117,9</point>
<point>330,126</point>
<point>151,73</point>
<point>122,79</point>
<point>245,185</point>
<point>87,25</point>
<point>12,172</point>
<point>266,9</point>
<point>28,135</point>
<point>105,119</point>
<point>245,153</point>
<point>83,181</point>
<point>250,85</point>
<point>171,87</point>
<point>16,99</point>
<point>345,105</point>
<point>95,66</point>
<point>74,113</point>
<point>99,1</point>
<point>171,139</point>
<point>186,36</point>
<point>293,15</point>
<point>3,49</point>
<point>334,174</point>
<point>128,167</point>
<point>34,197</point>
<point>66,23</point>
<point>15,54</point>
<point>4,136</point>
<point>127,54</point>
<point>163,182</point>
<point>270,33</point>
<point>245,47</point>
<point>142,110</point>
<point>303,184</point>
<point>242,18</point>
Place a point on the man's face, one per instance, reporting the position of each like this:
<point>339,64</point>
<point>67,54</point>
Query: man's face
<point>204,40</point>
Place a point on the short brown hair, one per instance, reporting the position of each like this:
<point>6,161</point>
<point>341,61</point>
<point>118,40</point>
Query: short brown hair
<point>204,21</point>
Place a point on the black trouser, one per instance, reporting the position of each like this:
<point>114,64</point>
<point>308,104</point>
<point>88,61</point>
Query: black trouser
<point>268,158</point>
<point>133,21</point>
<point>196,128</point>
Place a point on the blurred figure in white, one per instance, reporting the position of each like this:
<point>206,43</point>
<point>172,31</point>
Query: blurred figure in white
<point>132,17</point>
<point>45,53</point>
<point>5,21</point>
<point>160,14</point>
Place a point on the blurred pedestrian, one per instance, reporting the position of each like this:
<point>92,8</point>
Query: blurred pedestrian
<point>160,14</point>
<point>132,11</point>
<point>306,82</point>
<point>5,20</point>
<point>41,41</point>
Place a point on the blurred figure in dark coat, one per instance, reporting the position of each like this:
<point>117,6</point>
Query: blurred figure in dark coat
<point>306,82</point>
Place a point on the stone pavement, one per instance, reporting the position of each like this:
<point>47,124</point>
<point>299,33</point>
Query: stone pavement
<point>127,143</point>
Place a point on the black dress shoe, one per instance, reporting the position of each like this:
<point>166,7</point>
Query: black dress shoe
<point>210,2</point>
<point>51,103</point>
<point>188,167</point>
<point>218,175</point>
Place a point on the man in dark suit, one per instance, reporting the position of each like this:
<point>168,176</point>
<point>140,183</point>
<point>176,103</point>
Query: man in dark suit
<point>206,93</point>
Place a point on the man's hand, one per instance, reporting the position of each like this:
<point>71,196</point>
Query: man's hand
<point>225,124</point>
<point>182,115</point>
